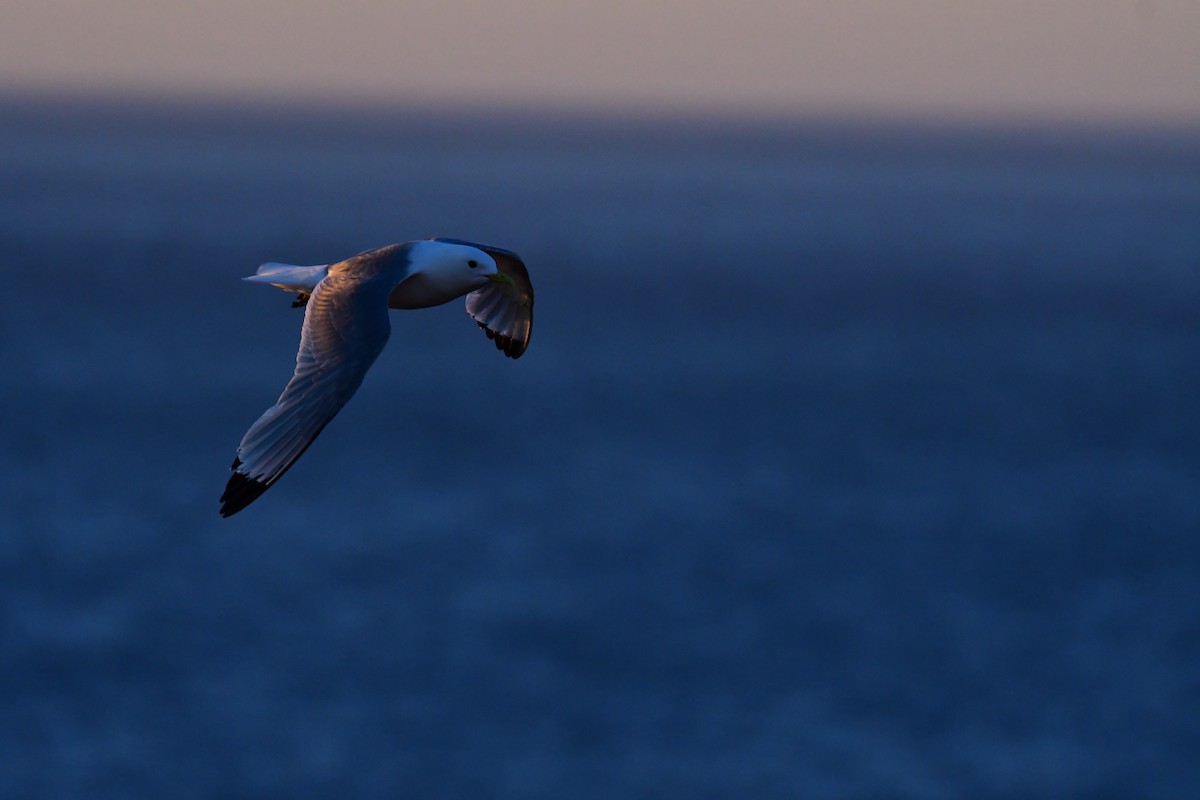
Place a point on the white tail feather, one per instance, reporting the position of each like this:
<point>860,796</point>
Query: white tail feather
<point>290,278</point>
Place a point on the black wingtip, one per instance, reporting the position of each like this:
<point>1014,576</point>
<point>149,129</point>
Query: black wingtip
<point>240,492</point>
<point>505,344</point>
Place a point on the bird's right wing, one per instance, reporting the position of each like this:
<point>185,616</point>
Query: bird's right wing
<point>345,328</point>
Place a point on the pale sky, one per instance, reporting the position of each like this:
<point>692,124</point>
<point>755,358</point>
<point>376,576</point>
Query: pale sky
<point>1125,60</point>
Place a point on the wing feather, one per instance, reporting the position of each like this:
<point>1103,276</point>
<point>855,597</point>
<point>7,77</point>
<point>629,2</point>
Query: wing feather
<point>505,313</point>
<point>345,328</point>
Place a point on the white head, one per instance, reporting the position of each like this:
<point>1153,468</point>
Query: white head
<point>454,269</point>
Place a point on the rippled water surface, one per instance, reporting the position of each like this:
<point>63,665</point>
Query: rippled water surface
<point>844,462</point>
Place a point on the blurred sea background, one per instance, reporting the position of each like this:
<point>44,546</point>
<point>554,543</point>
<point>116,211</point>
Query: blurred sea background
<point>848,460</point>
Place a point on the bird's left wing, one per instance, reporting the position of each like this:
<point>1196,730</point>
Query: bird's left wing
<point>504,311</point>
<point>345,328</point>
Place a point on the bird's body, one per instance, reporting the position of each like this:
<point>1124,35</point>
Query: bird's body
<point>346,326</point>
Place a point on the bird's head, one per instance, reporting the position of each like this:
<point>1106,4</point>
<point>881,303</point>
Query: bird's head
<point>454,268</point>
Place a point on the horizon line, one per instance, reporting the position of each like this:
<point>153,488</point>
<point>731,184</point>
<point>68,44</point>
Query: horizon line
<point>601,113</point>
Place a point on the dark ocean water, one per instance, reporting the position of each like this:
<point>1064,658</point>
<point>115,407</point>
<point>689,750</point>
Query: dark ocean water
<point>845,462</point>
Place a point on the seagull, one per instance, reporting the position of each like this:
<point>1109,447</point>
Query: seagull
<point>346,326</point>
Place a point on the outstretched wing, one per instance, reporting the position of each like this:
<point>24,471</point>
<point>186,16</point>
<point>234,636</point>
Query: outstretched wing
<point>504,312</point>
<point>345,328</point>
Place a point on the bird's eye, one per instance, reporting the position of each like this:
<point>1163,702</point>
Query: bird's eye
<point>472,263</point>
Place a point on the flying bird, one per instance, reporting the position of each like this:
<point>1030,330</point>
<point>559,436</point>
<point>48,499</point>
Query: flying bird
<point>346,326</point>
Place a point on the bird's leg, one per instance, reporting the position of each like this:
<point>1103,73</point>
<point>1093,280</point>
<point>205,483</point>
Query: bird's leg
<point>301,300</point>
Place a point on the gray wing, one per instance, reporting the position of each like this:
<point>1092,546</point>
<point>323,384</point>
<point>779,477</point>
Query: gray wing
<point>505,312</point>
<point>345,328</point>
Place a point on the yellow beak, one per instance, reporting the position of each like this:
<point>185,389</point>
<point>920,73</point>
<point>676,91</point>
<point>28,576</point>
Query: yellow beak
<point>500,277</point>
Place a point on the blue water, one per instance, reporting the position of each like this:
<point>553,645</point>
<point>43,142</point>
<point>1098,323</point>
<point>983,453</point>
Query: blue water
<point>845,462</point>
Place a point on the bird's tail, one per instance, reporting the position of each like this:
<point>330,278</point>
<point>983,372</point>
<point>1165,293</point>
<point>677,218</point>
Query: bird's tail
<point>290,278</point>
